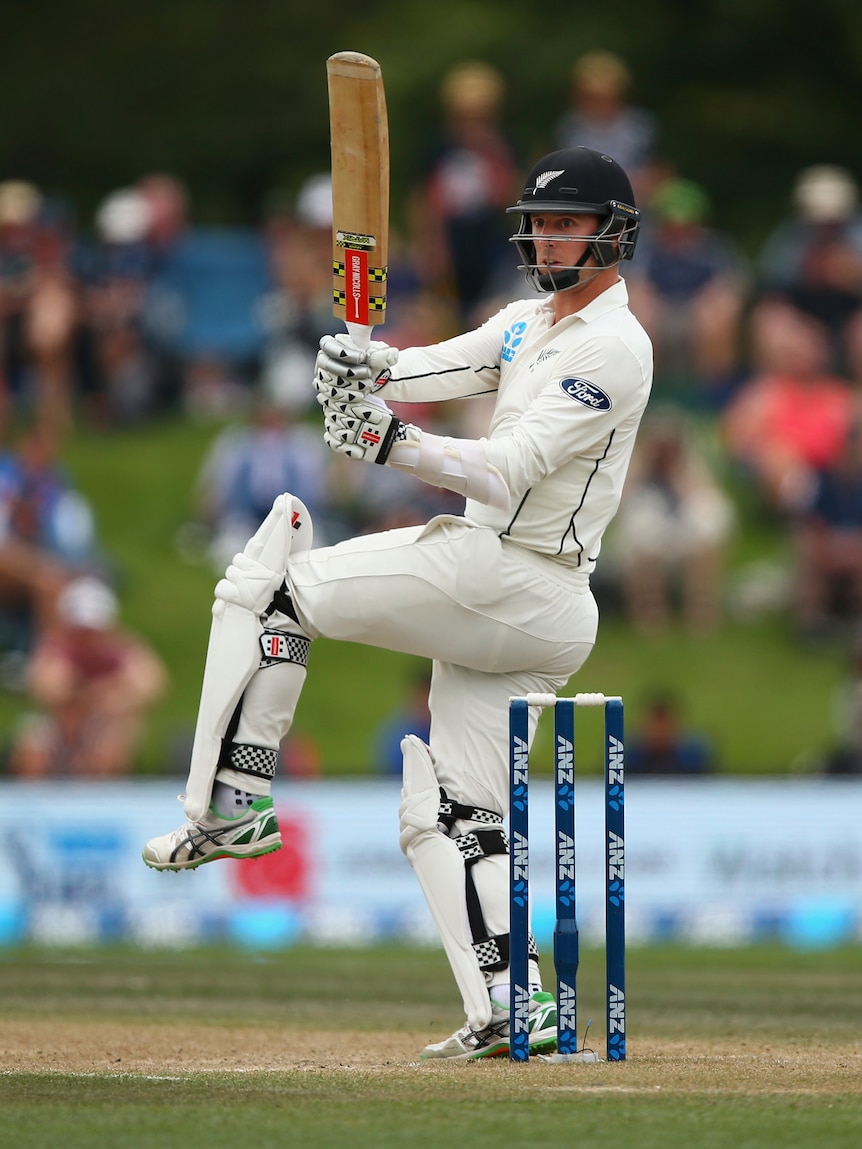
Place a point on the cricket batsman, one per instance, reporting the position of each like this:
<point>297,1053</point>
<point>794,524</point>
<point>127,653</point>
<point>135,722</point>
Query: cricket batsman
<point>497,598</point>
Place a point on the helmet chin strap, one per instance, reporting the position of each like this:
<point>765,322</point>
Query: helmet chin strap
<point>566,277</point>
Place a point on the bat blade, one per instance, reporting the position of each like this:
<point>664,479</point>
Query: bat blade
<point>359,140</point>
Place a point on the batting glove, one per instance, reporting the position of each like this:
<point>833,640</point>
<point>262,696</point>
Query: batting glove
<point>346,372</point>
<point>362,430</point>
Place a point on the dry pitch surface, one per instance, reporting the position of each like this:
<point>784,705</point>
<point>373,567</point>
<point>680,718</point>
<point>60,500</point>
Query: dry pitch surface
<point>759,1022</point>
<point>96,1048</point>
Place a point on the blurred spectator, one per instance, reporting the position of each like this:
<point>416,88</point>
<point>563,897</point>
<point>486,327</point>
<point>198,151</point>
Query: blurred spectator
<point>51,324</point>
<point>95,683</point>
<point>813,258</point>
<point>204,306</point>
<point>297,311</point>
<point>661,745</point>
<point>20,203</point>
<point>792,415</point>
<point>412,718</point>
<point>38,303</point>
<point>672,529</point>
<point>47,532</point>
<point>688,288</point>
<point>248,465</point>
<point>827,535</point>
<point>122,382</point>
<point>470,174</point>
<point>601,117</point>
<point>43,508</point>
<point>164,311</point>
<point>167,213</point>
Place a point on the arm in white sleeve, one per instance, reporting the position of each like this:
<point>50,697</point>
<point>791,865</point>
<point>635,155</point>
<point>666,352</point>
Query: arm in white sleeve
<point>458,465</point>
<point>457,368</point>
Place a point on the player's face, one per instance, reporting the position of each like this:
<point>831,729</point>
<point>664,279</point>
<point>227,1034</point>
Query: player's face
<point>561,239</point>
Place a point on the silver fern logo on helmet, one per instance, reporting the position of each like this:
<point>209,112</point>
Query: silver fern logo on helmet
<point>546,177</point>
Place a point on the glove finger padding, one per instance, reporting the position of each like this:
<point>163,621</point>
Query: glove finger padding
<point>364,430</point>
<point>342,348</point>
<point>365,368</point>
<point>333,390</point>
<point>340,371</point>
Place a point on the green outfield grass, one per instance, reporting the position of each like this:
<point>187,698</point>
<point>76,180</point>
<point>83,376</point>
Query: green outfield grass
<point>739,1049</point>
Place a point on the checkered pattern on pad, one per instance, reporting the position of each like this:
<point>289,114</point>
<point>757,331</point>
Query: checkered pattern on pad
<point>278,647</point>
<point>256,760</point>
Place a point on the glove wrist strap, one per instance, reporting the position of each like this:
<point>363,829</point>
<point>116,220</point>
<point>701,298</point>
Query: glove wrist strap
<point>394,432</point>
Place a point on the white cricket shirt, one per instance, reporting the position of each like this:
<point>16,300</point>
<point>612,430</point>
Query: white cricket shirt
<point>569,399</point>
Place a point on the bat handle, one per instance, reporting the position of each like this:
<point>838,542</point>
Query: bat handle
<point>360,334</point>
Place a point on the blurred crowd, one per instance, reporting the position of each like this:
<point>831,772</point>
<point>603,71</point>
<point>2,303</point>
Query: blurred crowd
<point>141,312</point>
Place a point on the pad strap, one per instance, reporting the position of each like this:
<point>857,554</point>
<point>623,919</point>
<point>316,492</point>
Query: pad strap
<point>450,811</point>
<point>492,953</point>
<point>275,646</point>
<point>481,844</point>
<point>256,760</point>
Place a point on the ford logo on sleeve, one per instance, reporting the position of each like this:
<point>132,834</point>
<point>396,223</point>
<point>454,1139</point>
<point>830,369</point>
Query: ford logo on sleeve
<point>587,393</point>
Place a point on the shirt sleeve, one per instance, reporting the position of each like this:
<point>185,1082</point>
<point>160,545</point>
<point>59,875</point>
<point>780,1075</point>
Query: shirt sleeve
<point>457,368</point>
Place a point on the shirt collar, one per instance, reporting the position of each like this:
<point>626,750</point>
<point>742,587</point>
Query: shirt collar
<point>617,295</point>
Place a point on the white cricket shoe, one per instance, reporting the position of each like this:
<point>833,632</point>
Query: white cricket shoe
<point>493,1041</point>
<point>253,833</point>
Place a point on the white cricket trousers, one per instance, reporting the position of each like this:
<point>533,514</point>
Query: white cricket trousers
<point>495,619</point>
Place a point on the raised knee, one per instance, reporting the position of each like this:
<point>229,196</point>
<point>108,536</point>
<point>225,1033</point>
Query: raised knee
<point>287,527</point>
<point>258,571</point>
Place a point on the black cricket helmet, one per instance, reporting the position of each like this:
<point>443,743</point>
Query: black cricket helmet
<point>580,181</point>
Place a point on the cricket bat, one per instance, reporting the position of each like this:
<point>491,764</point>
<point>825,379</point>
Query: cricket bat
<point>359,140</point>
